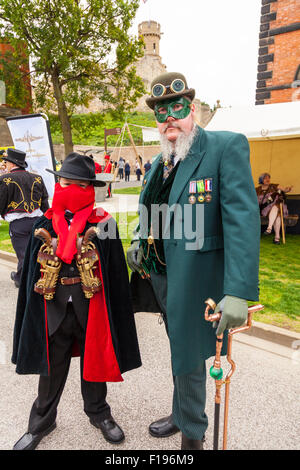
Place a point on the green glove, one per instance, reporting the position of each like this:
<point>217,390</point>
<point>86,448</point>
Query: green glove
<point>135,256</point>
<point>234,313</point>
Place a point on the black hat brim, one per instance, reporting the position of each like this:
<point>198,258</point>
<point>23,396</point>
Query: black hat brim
<point>63,174</point>
<point>152,100</point>
<point>11,160</point>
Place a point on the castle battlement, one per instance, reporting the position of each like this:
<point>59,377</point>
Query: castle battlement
<point>151,34</point>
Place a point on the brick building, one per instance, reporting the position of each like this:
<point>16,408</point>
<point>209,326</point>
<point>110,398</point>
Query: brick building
<point>279,52</point>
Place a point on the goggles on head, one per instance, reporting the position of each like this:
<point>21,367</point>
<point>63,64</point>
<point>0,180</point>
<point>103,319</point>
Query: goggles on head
<point>178,108</point>
<point>177,86</point>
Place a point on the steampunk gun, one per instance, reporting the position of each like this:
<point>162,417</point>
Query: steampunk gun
<point>50,264</point>
<point>87,257</point>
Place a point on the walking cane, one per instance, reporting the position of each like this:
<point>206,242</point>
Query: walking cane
<point>216,371</point>
<point>282,224</point>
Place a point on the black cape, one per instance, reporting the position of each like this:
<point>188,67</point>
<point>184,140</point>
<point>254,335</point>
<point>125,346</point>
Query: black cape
<point>30,341</point>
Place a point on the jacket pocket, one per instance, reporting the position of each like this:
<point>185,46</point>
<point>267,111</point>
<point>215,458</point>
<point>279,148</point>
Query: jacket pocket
<point>210,243</point>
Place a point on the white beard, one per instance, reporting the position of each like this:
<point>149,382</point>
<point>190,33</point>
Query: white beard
<point>180,148</point>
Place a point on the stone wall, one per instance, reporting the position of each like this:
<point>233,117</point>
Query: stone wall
<point>146,152</point>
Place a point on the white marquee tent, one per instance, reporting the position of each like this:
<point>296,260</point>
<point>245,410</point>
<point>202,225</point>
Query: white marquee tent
<point>260,121</point>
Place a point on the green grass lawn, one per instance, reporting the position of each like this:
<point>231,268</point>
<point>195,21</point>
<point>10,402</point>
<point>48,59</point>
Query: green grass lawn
<point>279,273</point>
<point>5,243</point>
<point>280,282</point>
<point>131,190</point>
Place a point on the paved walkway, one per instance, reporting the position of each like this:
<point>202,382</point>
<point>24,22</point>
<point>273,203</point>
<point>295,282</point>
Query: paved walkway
<point>264,403</point>
<point>120,203</point>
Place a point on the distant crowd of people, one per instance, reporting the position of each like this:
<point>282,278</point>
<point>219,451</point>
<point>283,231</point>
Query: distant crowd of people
<point>124,169</point>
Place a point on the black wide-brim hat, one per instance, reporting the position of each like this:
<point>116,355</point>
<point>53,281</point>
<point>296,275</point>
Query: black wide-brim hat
<point>79,167</point>
<point>166,79</point>
<point>15,156</point>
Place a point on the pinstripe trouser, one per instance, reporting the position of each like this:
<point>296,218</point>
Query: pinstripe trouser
<point>189,394</point>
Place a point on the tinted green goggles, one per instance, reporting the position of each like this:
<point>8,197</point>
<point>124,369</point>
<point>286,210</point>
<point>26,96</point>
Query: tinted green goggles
<point>178,108</point>
<point>177,86</point>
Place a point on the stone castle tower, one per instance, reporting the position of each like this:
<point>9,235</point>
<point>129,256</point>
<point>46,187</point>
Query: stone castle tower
<point>279,52</point>
<point>150,65</point>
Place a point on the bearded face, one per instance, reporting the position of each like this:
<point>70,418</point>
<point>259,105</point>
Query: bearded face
<point>177,135</point>
<point>180,146</point>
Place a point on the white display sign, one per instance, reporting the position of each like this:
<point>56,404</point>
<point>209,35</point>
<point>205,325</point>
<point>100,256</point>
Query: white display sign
<point>31,134</point>
<point>150,134</point>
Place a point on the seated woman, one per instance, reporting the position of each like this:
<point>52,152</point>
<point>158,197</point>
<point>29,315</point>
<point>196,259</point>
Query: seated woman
<point>269,198</point>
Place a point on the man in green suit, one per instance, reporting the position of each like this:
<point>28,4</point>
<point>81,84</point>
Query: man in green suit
<point>198,237</point>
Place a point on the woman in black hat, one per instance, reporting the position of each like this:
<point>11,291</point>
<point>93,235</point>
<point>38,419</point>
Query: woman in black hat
<point>85,309</point>
<point>23,199</point>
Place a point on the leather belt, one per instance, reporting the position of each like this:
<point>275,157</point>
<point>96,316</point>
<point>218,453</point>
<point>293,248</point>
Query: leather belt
<point>69,281</point>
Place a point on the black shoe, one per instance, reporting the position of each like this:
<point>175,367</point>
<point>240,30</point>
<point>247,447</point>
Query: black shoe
<point>30,441</point>
<point>110,429</point>
<point>191,444</point>
<point>276,242</point>
<point>13,275</point>
<point>164,427</point>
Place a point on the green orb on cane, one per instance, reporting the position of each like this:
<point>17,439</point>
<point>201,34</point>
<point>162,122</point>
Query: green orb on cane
<point>216,374</point>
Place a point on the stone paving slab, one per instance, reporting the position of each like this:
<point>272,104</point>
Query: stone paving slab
<point>264,397</point>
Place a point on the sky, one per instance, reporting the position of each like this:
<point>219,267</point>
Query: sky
<point>214,43</point>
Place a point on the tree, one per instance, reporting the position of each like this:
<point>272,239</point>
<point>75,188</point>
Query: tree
<point>14,68</point>
<point>79,49</point>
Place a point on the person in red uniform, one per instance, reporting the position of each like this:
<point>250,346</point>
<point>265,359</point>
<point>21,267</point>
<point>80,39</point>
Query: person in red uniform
<point>107,169</point>
<point>98,168</point>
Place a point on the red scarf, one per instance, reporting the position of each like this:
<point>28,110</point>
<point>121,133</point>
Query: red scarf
<point>80,201</point>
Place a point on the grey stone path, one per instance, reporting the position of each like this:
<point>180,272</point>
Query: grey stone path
<point>264,404</point>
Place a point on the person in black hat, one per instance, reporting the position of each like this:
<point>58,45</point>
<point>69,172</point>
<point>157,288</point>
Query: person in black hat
<point>211,247</point>
<point>77,304</point>
<point>23,199</point>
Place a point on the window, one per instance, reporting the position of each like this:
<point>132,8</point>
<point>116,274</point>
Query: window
<point>297,76</point>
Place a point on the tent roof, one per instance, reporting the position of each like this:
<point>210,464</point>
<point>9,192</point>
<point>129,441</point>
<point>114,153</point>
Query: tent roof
<point>260,121</point>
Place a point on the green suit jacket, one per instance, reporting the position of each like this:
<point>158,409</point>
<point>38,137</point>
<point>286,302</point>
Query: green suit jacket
<point>217,252</point>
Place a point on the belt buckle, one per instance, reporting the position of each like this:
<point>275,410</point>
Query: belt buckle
<point>62,280</point>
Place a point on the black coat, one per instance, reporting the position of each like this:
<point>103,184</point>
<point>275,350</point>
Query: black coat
<point>22,191</point>
<point>30,335</point>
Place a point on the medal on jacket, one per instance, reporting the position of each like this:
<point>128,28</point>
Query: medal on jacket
<point>200,186</point>
<point>208,184</point>
<point>192,191</point>
<point>208,189</point>
<point>200,189</point>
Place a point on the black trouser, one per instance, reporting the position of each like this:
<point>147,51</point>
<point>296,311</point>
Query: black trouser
<point>127,176</point>
<point>20,233</point>
<point>44,409</point>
